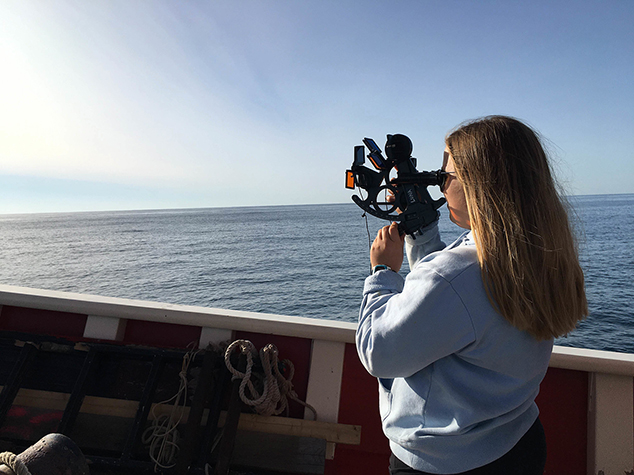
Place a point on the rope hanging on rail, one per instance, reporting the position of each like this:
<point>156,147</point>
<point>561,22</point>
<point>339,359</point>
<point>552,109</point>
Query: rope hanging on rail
<point>17,466</point>
<point>162,435</point>
<point>276,389</point>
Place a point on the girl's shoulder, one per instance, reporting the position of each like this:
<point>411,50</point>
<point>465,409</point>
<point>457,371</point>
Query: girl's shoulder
<point>451,262</point>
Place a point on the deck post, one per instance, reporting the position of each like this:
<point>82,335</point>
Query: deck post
<point>610,424</point>
<point>324,383</point>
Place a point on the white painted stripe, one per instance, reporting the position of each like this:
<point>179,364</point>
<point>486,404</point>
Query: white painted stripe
<point>313,328</point>
<point>214,336</point>
<point>302,327</point>
<point>105,328</point>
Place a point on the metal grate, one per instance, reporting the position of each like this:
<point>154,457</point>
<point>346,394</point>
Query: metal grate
<point>93,373</point>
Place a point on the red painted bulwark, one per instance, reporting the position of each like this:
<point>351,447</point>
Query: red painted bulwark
<point>166,335</point>
<point>359,405</point>
<point>563,406</point>
<point>562,399</point>
<point>42,322</point>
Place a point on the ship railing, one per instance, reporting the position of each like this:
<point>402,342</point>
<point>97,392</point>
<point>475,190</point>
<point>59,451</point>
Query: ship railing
<point>610,388</point>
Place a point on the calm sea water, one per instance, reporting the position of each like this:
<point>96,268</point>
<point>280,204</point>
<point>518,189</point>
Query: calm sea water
<point>291,260</point>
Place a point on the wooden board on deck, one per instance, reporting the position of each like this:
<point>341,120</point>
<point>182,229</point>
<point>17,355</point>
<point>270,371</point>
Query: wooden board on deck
<point>328,431</point>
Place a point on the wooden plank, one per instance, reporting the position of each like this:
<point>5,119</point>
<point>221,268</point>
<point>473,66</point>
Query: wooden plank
<point>329,431</point>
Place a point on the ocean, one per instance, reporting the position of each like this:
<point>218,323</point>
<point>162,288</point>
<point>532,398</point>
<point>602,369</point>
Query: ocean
<point>307,260</point>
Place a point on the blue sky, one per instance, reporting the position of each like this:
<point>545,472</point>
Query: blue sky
<point>172,104</point>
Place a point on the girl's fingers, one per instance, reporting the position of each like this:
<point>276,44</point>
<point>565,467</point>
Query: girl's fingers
<point>394,234</point>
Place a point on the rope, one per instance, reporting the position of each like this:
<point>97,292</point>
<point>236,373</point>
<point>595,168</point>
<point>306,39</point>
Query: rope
<point>276,389</point>
<point>162,435</point>
<point>17,466</point>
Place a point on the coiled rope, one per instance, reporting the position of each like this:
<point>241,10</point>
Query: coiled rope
<point>17,466</point>
<point>162,435</point>
<point>276,389</point>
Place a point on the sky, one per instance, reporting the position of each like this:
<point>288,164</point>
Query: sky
<point>132,104</point>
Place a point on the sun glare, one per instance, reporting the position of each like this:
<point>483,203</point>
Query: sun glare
<point>32,124</point>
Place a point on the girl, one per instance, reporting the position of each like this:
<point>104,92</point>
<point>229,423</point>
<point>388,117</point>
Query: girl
<point>461,345</point>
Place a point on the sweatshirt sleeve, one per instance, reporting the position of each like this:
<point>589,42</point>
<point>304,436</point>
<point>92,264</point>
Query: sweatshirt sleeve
<point>406,326</point>
<point>427,241</point>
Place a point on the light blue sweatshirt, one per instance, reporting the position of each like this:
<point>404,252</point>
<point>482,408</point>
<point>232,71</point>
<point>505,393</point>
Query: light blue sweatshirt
<point>457,382</point>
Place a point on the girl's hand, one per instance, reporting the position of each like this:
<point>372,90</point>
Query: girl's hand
<point>387,248</point>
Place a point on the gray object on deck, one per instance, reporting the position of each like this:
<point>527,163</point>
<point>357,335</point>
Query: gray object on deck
<point>53,454</point>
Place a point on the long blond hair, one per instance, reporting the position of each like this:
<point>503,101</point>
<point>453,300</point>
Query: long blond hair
<point>526,248</point>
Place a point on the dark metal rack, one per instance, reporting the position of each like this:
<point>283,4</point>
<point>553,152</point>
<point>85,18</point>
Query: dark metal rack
<point>198,439</point>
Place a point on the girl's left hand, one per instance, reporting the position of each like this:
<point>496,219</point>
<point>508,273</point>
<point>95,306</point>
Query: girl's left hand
<point>387,248</point>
